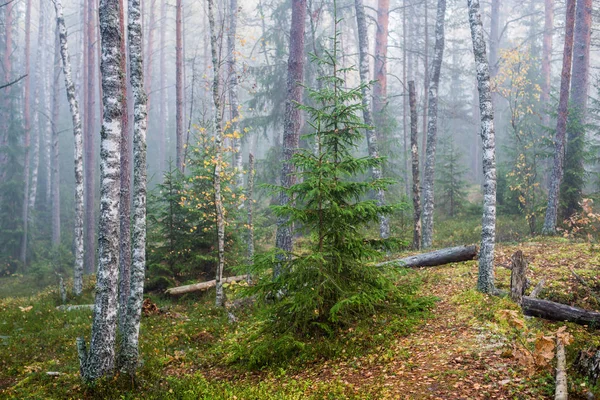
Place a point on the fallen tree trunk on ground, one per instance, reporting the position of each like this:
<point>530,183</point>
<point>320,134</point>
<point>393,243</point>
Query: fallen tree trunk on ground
<point>72,307</point>
<point>561,392</point>
<point>179,290</point>
<point>435,258</point>
<point>559,312</point>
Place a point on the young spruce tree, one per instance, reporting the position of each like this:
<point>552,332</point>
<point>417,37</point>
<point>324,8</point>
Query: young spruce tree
<point>330,282</point>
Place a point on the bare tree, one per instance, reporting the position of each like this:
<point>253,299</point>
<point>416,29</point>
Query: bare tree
<point>179,84</point>
<point>363,44</point>
<point>432,109</point>
<point>561,124</point>
<point>56,228</point>
<point>78,149</point>
<point>291,123</point>
<point>233,93</point>
<point>100,359</point>
<point>485,281</point>
<point>220,297</point>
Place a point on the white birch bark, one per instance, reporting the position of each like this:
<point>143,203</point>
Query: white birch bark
<point>55,144</point>
<point>429,175</point>
<point>131,326</point>
<point>100,359</point>
<point>363,42</point>
<point>220,297</point>
<point>78,149</point>
<point>485,281</point>
<point>233,94</point>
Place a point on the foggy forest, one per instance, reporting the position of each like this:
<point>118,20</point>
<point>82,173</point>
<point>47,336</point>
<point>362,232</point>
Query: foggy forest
<point>299,199</point>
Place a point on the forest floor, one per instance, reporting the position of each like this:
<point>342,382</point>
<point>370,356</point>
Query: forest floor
<point>469,346</point>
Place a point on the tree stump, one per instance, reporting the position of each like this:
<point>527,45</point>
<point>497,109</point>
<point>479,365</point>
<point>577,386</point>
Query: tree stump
<point>518,277</point>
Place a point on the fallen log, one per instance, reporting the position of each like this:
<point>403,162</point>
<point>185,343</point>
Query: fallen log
<point>71,307</point>
<point>561,392</point>
<point>435,258</point>
<point>179,290</point>
<point>559,312</point>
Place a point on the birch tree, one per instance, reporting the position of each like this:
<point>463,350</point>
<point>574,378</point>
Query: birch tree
<point>485,281</point>
<point>291,122</point>
<point>234,103</point>
<point>561,124</point>
<point>78,149</point>
<point>363,43</point>
<point>220,297</point>
<point>99,360</point>
<point>414,150</point>
<point>432,109</point>
<point>56,228</point>
<point>131,325</point>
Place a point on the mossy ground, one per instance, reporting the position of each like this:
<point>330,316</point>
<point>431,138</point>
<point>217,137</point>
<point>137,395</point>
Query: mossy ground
<point>463,348</point>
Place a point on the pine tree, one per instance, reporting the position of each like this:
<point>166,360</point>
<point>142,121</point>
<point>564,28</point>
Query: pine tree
<point>331,282</point>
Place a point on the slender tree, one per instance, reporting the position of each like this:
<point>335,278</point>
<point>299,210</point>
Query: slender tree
<point>179,84</point>
<point>27,140</point>
<point>233,93</point>
<point>432,109</point>
<point>363,43</point>
<point>291,123</point>
<point>100,359</point>
<point>220,297</point>
<point>125,192</point>
<point>494,37</point>
<point>131,327</point>
<point>380,71</point>
<point>90,124</point>
<point>547,58</point>
<point>414,151</point>
<point>250,210</point>
<point>56,228</point>
<point>574,177</point>
<point>78,149</point>
<point>561,124</point>
<point>485,281</point>
<point>163,84</point>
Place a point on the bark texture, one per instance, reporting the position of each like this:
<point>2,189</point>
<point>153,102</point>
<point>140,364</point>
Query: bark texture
<point>78,137</point>
<point>438,257</point>
<point>234,103</point>
<point>131,326</point>
<point>100,359</point>
<point>220,297</point>
<point>179,84</point>
<point>432,109</point>
<point>485,280</point>
<point>291,123</point>
<point>414,151</point>
<point>363,45</point>
<point>561,124</point>
<point>518,276</point>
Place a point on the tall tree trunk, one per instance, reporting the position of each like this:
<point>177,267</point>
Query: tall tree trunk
<point>163,88</point>
<point>233,94</point>
<point>384,224</point>
<point>291,122</point>
<point>380,71</point>
<point>100,359</point>
<point>220,297</point>
<point>573,182</point>
<point>125,192</point>
<point>179,84</point>
<point>494,37</point>
<point>37,131</point>
<point>131,327</point>
<point>48,40</point>
<point>149,53</point>
<point>27,122</point>
<point>547,58</point>
<point>90,123</point>
<point>485,281</point>
<point>561,124</point>
<point>78,148</point>
<point>55,143</point>
<point>405,100</point>
<point>414,150</point>
<point>249,210</point>
<point>425,75</point>
<point>429,175</point>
